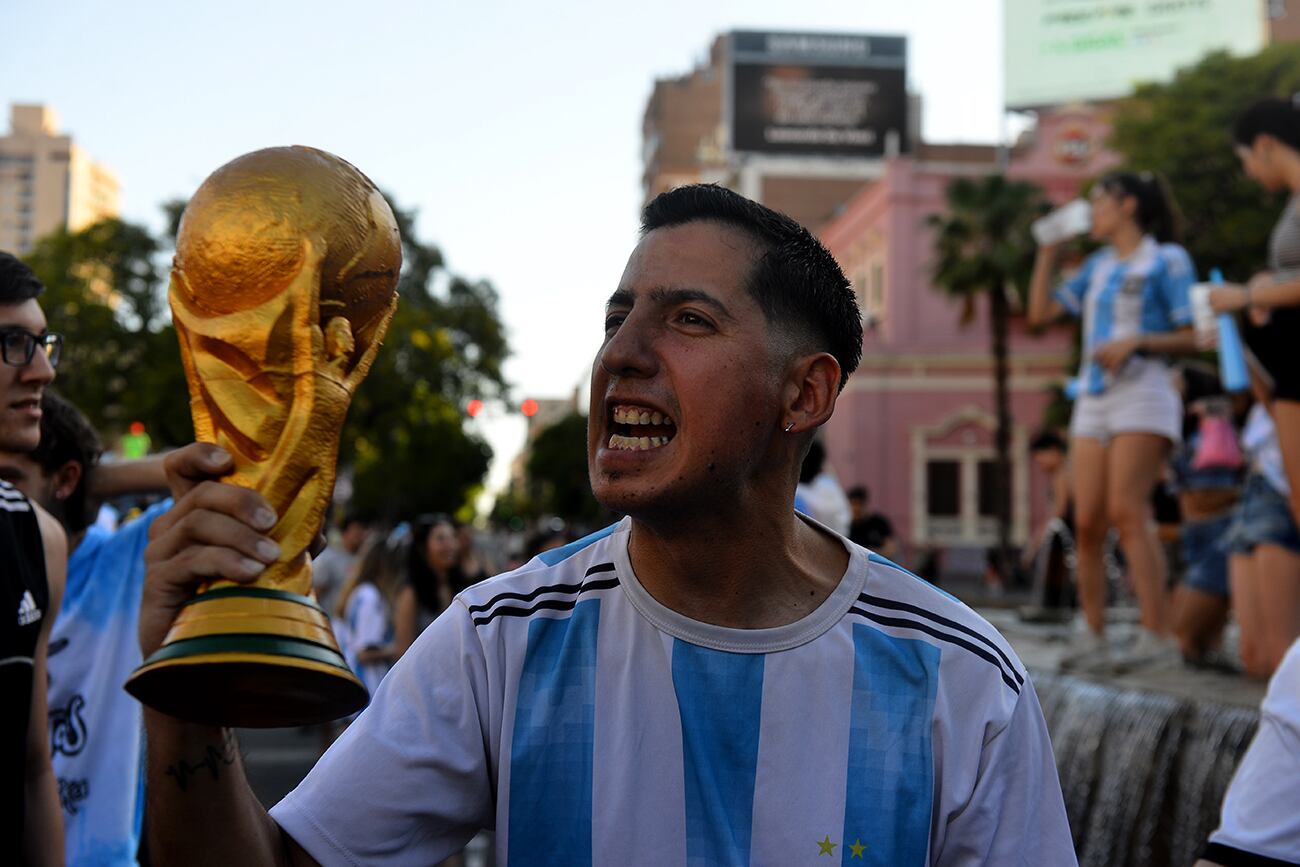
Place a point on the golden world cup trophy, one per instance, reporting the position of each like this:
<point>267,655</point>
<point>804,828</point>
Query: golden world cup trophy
<point>282,288</point>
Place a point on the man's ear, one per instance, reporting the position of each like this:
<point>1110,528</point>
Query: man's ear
<point>65,480</point>
<point>812,385</point>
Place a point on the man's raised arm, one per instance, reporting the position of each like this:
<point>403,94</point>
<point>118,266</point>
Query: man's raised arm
<point>201,809</point>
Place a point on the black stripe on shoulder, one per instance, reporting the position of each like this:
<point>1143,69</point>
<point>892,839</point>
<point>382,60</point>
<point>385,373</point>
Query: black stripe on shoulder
<point>881,602</point>
<point>901,623</point>
<point>538,591</point>
<point>546,604</point>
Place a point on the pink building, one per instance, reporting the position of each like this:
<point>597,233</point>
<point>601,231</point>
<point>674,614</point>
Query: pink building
<point>915,423</point>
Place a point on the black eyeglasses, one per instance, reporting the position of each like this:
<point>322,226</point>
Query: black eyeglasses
<point>18,345</point>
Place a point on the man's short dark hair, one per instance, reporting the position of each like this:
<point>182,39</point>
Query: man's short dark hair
<point>351,518</point>
<point>66,435</point>
<point>18,283</point>
<point>859,492</point>
<point>1047,440</point>
<point>796,281</point>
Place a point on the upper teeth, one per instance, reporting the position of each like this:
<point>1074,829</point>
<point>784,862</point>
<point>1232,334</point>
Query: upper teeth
<point>637,415</point>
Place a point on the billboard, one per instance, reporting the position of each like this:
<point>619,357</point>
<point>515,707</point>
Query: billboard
<point>1081,50</point>
<point>821,94</point>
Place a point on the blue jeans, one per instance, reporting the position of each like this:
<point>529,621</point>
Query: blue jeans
<point>1262,516</point>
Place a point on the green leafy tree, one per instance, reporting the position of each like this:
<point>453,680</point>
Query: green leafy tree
<point>106,293</point>
<point>557,471</point>
<point>1182,129</point>
<point>983,250</point>
<point>405,436</point>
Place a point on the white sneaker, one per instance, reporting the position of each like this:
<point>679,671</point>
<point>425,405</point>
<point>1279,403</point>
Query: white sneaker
<point>1088,652</point>
<point>1148,652</point>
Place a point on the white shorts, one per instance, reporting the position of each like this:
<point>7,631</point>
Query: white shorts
<point>1142,399</point>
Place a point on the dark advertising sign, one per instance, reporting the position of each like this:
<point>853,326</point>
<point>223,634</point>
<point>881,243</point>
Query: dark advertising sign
<point>825,94</point>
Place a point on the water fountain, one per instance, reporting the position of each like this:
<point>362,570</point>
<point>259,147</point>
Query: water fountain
<point>1143,773</point>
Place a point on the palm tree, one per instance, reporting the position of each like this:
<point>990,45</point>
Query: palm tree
<point>983,248</point>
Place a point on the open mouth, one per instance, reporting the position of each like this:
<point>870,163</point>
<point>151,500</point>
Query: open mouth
<point>639,428</point>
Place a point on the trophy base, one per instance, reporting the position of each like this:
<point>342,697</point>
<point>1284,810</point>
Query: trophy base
<point>250,657</point>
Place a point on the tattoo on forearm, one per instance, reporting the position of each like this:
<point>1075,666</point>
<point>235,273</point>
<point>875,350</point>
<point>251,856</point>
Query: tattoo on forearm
<point>215,757</point>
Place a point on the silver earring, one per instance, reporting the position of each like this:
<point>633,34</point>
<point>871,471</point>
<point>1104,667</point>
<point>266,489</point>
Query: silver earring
<point>789,427</point>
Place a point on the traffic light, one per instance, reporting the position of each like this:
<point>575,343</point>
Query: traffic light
<point>529,407</point>
<point>474,407</point>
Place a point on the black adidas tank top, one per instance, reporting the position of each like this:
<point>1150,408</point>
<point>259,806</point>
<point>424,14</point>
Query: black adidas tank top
<point>24,600</point>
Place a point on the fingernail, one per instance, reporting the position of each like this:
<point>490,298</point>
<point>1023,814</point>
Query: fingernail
<point>218,456</point>
<point>264,518</point>
<point>268,550</point>
<point>251,567</point>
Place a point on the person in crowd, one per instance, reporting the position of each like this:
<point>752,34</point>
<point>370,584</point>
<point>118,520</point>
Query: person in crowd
<point>433,578</point>
<point>35,553</point>
<point>819,495</point>
<point>1133,298</point>
<point>869,528</point>
<point>643,696</point>
<point>1048,560</point>
<point>95,726</point>
<point>1263,542</point>
<point>1207,488</point>
<point>1267,139</point>
<point>467,555</point>
<point>329,571</point>
<point>366,605</point>
<point>1259,825</point>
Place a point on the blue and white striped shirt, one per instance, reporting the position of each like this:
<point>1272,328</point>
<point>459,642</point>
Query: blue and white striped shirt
<point>1147,293</point>
<point>588,724</point>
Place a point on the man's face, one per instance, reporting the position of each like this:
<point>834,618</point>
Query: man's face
<point>685,396</point>
<point>19,470</point>
<point>21,387</point>
<point>354,536</point>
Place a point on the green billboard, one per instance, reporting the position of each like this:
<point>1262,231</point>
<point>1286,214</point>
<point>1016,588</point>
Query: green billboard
<point>1060,51</point>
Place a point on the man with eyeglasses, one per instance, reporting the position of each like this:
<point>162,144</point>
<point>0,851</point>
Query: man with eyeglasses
<point>34,552</point>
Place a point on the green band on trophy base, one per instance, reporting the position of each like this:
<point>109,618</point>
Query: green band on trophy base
<point>260,680</point>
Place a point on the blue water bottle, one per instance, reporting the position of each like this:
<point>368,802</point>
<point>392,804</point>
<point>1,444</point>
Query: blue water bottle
<point>1232,356</point>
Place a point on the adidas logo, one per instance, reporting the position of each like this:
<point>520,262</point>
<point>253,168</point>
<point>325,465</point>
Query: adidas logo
<point>27,610</point>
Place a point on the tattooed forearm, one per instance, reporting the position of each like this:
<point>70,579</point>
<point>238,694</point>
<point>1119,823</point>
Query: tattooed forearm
<point>214,758</point>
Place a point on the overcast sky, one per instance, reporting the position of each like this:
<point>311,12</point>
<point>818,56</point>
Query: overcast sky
<point>514,128</point>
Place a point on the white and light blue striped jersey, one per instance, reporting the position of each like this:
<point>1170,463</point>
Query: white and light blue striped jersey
<point>96,728</point>
<point>587,724</point>
<point>1146,293</point>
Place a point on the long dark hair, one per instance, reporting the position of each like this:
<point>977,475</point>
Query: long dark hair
<point>1157,212</point>
<point>420,574</point>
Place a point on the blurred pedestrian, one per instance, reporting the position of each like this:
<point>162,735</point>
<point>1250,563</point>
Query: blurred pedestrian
<point>366,605</point>
<point>819,495</point>
<point>1207,486</point>
<point>433,578</point>
<point>467,555</point>
<point>96,728</point>
<point>1133,298</point>
<point>1267,139</point>
<point>1263,542</point>
<point>330,569</point>
<point>868,527</point>
<point>1050,555</point>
